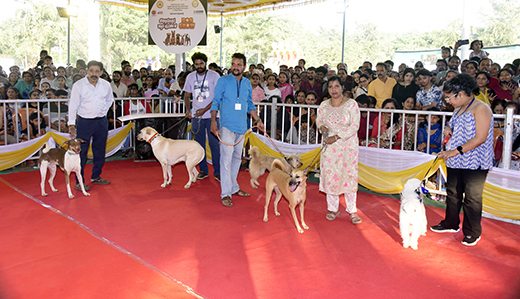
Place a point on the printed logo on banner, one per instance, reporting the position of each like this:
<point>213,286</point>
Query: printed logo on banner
<point>177,26</point>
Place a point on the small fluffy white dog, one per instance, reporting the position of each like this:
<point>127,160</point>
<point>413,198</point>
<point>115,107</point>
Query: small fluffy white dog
<point>412,217</point>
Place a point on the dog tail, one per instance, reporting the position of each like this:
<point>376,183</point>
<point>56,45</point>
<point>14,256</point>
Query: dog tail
<point>46,148</point>
<point>277,164</point>
<point>254,152</point>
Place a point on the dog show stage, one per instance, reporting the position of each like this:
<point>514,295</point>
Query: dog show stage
<point>134,239</point>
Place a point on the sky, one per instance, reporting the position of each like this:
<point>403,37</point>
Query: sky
<point>393,16</point>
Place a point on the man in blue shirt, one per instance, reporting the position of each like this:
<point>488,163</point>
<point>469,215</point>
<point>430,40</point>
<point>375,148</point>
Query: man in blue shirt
<point>233,99</point>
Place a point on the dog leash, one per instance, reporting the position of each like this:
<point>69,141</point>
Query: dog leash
<point>176,124</point>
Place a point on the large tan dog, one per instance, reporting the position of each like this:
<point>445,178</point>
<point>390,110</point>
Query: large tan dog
<point>260,163</point>
<point>170,152</point>
<point>292,185</point>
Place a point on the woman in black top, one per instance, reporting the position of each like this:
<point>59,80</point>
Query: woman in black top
<point>405,89</point>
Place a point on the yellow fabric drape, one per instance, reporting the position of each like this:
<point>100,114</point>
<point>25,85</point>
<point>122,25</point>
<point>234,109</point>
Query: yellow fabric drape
<point>392,182</point>
<point>12,158</point>
<point>265,150</point>
<point>501,202</point>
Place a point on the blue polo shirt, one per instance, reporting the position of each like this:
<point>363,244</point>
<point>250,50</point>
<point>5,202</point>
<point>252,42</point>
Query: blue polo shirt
<point>228,92</point>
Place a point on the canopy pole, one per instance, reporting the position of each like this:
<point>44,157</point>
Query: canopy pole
<point>343,38</point>
<point>221,28</point>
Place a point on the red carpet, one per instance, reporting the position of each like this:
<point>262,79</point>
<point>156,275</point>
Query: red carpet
<point>230,252</point>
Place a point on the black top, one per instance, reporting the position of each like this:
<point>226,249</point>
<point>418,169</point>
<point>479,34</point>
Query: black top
<point>400,93</point>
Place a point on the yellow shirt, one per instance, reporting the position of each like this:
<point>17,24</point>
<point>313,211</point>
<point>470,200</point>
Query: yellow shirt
<point>483,97</point>
<point>381,91</point>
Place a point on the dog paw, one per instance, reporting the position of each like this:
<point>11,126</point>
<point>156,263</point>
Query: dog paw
<point>44,194</point>
<point>71,196</point>
<point>277,214</point>
<point>54,190</point>
<point>300,230</point>
<point>187,185</point>
<point>254,186</point>
<point>414,247</point>
<point>305,226</point>
<point>86,194</point>
<point>265,219</point>
<point>163,185</point>
<point>406,245</point>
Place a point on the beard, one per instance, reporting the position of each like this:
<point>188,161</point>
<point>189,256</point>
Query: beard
<point>128,74</point>
<point>236,72</point>
<point>454,67</point>
<point>201,70</point>
<point>310,77</point>
<point>117,80</point>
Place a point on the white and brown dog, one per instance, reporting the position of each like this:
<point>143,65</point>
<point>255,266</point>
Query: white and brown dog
<point>68,160</point>
<point>412,217</point>
<point>170,152</point>
<point>260,163</point>
<point>293,186</point>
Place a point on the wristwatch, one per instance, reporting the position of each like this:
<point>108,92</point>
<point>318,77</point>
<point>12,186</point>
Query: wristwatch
<point>459,148</point>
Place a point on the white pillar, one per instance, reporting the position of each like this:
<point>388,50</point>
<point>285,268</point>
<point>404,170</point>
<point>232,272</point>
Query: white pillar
<point>94,36</point>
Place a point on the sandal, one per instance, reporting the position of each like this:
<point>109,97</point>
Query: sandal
<point>241,193</point>
<point>332,215</point>
<point>355,218</point>
<point>226,201</point>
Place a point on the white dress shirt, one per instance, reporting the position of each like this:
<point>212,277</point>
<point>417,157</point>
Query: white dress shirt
<point>89,101</point>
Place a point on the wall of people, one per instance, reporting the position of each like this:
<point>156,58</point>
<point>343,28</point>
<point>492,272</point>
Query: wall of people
<point>372,85</point>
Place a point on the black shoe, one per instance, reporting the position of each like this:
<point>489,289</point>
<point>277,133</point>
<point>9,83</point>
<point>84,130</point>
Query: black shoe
<point>202,175</point>
<point>470,240</point>
<point>100,181</point>
<point>78,187</point>
<point>217,177</point>
<point>441,229</point>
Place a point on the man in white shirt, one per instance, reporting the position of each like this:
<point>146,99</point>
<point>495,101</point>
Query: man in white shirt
<point>89,102</point>
<point>165,83</point>
<point>201,85</point>
<point>120,89</point>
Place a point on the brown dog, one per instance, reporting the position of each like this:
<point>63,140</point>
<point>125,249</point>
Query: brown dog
<point>292,185</point>
<point>68,160</point>
<point>260,163</point>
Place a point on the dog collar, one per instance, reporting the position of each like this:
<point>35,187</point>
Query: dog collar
<point>71,153</point>
<point>153,137</point>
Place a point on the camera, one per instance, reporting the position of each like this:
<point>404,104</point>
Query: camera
<point>463,42</point>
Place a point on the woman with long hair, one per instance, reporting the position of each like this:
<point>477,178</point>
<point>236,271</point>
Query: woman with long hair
<point>483,92</point>
<point>271,89</point>
<point>284,85</point>
<point>406,88</point>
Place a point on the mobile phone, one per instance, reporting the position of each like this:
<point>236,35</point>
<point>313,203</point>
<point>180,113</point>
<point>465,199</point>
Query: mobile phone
<point>463,42</point>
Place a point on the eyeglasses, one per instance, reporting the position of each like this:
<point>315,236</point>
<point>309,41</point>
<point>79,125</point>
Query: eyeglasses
<point>455,95</point>
<point>363,81</point>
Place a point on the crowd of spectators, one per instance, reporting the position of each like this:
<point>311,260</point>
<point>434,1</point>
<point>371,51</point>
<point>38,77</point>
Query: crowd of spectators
<point>405,88</point>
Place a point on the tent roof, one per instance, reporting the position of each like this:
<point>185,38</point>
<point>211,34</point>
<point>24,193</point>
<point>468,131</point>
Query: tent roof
<point>227,8</point>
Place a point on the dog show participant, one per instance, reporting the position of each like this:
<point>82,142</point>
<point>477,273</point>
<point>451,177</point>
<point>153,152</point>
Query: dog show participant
<point>201,84</point>
<point>89,102</point>
<point>469,156</point>
<point>233,99</point>
<point>338,119</point>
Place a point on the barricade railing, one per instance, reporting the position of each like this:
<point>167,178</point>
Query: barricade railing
<point>293,123</point>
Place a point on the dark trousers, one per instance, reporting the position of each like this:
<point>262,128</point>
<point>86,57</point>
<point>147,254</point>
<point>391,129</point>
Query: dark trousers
<point>97,129</point>
<point>202,128</point>
<point>464,189</point>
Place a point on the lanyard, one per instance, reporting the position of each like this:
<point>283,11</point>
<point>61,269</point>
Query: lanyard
<point>239,83</point>
<point>204,79</point>
<point>467,106</point>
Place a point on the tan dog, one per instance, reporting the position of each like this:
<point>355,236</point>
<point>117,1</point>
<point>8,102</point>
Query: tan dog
<point>260,163</point>
<point>292,185</point>
<point>68,160</point>
<point>170,152</point>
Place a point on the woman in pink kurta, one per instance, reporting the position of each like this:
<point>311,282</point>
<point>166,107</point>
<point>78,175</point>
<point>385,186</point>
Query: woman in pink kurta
<point>338,118</point>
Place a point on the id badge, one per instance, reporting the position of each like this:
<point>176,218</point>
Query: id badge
<point>238,106</point>
<point>200,99</point>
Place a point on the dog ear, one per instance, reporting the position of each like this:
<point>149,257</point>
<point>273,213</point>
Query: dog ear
<point>67,142</point>
<point>80,140</point>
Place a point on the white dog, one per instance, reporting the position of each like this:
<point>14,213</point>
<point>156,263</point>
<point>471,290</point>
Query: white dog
<point>412,217</point>
<point>170,152</point>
